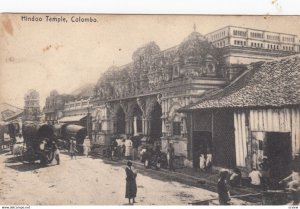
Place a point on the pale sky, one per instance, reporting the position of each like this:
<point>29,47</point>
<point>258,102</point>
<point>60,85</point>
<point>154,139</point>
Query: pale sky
<point>63,56</point>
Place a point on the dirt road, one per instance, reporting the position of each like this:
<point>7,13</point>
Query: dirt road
<point>87,181</point>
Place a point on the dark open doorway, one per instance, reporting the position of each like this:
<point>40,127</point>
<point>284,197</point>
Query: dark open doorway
<point>120,121</point>
<point>202,142</point>
<point>278,149</point>
<point>155,130</point>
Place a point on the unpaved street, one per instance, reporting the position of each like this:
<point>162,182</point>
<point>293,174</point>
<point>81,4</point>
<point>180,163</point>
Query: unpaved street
<point>87,181</point>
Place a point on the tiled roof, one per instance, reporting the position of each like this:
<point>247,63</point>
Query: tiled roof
<point>273,84</point>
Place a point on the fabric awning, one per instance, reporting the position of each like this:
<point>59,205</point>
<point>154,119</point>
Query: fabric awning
<point>74,118</point>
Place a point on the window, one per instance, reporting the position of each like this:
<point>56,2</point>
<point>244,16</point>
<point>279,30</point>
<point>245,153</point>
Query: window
<point>98,127</point>
<point>256,35</point>
<point>176,71</point>
<point>239,33</point>
<point>273,37</point>
<point>176,128</point>
<point>288,39</point>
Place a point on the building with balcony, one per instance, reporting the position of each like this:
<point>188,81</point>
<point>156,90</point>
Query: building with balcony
<point>77,112</point>
<point>54,106</point>
<point>246,45</point>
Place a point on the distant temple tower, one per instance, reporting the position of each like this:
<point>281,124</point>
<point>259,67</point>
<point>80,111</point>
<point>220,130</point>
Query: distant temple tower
<point>32,110</point>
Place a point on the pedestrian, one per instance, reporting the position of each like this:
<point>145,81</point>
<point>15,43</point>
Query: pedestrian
<point>135,146</point>
<point>208,162</point>
<point>113,145</point>
<point>202,161</point>
<point>86,146</point>
<point>42,146</point>
<point>170,157</point>
<point>131,187</point>
<point>235,178</point>
<point>73,149</point>
<point>122,148</point>
<point>56,152</point>
<point>265,172</point>
<point>292,182</point>
<point>223,188</point>
<point>255,177</point>
<point>128,148</point>
<point>19,139</point>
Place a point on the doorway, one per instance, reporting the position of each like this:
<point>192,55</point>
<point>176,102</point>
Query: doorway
<point>202,144</point>
<point>155,127</point>
<point>279,152</point>
<point>120,129</point>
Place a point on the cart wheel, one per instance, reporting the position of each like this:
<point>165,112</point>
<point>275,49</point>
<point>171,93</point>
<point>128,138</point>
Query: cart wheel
<point>50,156</point>
<point>146,163</point>
<point>29,155</point>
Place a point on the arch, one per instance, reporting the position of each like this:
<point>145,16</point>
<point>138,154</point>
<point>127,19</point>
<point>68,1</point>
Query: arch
<point>173,110</point>
<point>114,110</point>
<point>150,104</point>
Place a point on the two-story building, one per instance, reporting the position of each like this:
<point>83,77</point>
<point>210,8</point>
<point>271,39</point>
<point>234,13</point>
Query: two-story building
<point>54,106</point>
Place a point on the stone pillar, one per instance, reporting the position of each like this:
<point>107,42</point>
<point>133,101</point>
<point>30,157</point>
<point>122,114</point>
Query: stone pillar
<point>165,125</point>
<point>135,125</point>
<point>128,125</point>
<point>183,124</point>
<point>146,125</point>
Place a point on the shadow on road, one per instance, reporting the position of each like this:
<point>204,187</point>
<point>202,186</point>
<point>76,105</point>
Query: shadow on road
<point>13,160</point>
<point>24,167</point>
<point>4,151</point>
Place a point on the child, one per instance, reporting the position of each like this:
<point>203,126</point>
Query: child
<point>223,190</point>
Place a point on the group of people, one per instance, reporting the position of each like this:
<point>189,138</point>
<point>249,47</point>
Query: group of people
<point>73,147</point>
<point>205,161</point>
<point>126,147</point>
<point>257,179</point>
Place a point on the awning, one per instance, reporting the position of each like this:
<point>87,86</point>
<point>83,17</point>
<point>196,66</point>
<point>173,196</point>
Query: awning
<point>74,118</point>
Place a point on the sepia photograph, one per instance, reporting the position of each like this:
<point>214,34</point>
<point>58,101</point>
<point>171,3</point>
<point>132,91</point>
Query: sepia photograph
<point>120,109</point>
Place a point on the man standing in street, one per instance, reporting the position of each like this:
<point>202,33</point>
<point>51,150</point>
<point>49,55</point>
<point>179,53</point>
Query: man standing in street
<point>86,146</point>
<point>170,157</point>
<point>73,149</point>
<point>56,152</point>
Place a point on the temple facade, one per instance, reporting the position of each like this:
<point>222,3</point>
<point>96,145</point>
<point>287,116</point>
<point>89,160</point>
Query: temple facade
<point>143,96</point>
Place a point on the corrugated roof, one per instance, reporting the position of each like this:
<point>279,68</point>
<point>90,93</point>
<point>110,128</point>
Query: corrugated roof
<point>274,83</point>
